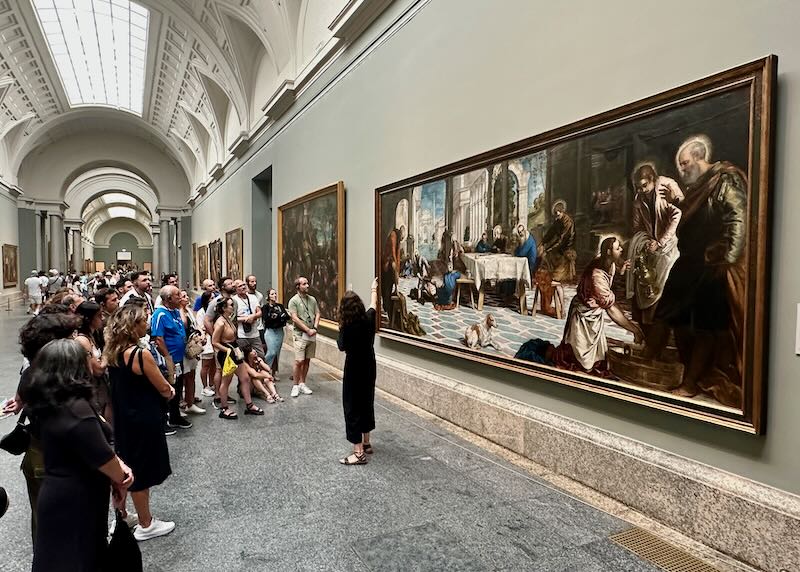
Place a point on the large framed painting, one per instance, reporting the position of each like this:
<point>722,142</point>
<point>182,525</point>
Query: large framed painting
<point>10,266</point>
<point>202,263</point>
<point>311,243</point>
<point>234,256</point>
<point>625,254</point>
<point>215,260</point>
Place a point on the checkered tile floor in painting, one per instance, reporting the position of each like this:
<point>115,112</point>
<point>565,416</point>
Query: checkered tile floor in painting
<point>513,329</point>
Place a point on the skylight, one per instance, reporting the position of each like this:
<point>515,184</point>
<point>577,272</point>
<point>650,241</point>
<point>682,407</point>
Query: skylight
<point>121,212</point>
<point>99,48</point>
<point>112,198</point>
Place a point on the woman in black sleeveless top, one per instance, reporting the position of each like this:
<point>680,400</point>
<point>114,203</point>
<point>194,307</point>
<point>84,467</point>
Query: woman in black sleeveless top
<point>139,394</point>
<point>80,465</point>
<point>356,339</point>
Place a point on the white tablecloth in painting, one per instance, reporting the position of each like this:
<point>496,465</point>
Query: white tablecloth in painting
<point>481,267</point>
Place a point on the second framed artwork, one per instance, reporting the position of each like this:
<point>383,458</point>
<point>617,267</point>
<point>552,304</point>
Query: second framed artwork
<point>234,255</point>
<point>215,260</point>
<point>625,254</point>
<point>311,243</point>
<point>202,264</point>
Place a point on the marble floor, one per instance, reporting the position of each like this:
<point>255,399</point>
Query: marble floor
<point>266,493</point>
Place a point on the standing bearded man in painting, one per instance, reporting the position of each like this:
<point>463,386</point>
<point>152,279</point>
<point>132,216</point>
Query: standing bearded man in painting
<point>654,246</point>
<point>557,250</point>
<point>703,297</point>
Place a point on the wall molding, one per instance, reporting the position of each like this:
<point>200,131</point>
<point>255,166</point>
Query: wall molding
<point>752,522</point>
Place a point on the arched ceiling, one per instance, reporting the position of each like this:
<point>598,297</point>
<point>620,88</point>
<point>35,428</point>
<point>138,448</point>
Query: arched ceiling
<point>113,205</point>
<point>215,73</point>
<point>106,231</point>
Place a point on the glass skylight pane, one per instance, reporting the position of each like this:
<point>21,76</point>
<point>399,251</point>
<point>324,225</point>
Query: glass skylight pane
<point>99,48</point>
<point>123,212</point>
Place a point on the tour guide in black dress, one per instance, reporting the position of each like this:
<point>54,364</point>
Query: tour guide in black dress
<point>80,465</point>
<point>356,339</point>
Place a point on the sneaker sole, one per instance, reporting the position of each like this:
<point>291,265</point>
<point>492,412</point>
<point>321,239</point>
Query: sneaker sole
<point>150,537</point>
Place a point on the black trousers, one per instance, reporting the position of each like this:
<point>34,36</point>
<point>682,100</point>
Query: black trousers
<point>173,407</point>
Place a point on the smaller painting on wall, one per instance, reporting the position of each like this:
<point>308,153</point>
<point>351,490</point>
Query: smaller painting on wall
<point>234,255</point>
<point>195,280</point>
<point>215,259</point>
<point>10,275</point>
<point>100,266</point>
<point>147,266</point>
<point>202,263</point>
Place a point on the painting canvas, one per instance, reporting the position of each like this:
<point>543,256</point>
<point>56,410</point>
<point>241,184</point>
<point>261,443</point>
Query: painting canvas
<point>311,244</point>
<point>625,254</point>
<point>234,256</point>
<point>215,260</point>
<point>202,263</point>
<point>10,266</point>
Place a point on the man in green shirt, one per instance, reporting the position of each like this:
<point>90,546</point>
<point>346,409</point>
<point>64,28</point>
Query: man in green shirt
<point>304,310</point>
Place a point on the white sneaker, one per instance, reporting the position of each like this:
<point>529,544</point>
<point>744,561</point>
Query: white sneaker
<point>295,390</point>
<point>208,391</point>
<point>304,389</point>
<point>156,528</point>
<point>195,409</point>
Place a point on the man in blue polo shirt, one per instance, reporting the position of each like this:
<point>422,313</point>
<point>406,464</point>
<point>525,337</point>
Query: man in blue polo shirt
<point>169,335</point>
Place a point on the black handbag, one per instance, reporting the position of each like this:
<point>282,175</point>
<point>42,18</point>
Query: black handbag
<point>123,553</point>
<point>19,439</point>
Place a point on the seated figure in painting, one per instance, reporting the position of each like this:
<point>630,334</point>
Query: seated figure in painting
<point>584,344</point>
<point>527,248</point>
<point>483,245</point>
<point>557,251</point>
<point>654,246</point>
<point>703,296</point>
<point>500,243</point>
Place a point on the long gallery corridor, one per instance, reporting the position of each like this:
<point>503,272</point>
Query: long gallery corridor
<point>538,261</point>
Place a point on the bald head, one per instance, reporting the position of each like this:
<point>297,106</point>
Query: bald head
<point>170,296</point>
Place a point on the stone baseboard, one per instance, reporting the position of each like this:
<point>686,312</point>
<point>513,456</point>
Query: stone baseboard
<point>751,522</point>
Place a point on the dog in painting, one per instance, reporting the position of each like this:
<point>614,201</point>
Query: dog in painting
<point>480,335</point>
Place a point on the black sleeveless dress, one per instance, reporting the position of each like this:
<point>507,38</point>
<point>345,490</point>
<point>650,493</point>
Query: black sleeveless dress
<point>139,424</point>
<point>73,502</point>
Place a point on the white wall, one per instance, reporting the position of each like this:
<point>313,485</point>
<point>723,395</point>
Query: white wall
<point>466,76</point>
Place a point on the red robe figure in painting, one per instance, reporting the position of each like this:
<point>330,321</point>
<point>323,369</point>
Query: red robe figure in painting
<point>584,344</point>
<point>703,297</point>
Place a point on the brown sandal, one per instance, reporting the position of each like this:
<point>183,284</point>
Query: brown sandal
<point>360,459</point>
<point>368,448</point>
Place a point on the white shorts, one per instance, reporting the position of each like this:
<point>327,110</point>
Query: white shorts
<point>35,298</point>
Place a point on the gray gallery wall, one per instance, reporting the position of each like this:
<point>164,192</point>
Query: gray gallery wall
<point>462,77</point>
<point>27,242</point>
<point>120,241</point>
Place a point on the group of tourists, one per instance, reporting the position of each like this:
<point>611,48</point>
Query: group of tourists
<point>108,377</point>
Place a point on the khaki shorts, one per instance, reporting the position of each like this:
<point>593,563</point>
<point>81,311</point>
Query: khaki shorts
<point>304,349</point>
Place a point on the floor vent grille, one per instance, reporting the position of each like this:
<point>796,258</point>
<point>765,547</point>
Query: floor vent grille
<point>659,553</point>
